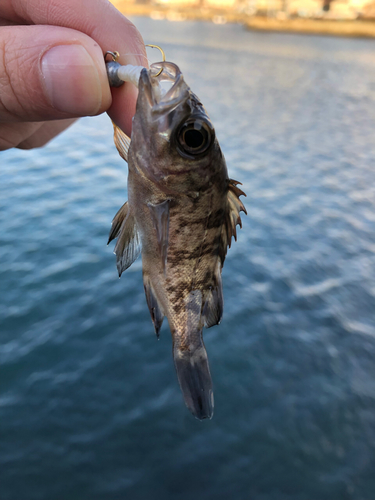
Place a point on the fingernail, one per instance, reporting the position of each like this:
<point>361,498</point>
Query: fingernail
<point>72,80</point>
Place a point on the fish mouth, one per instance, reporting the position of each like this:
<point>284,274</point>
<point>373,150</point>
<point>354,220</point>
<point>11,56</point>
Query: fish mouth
<point>154,81</point>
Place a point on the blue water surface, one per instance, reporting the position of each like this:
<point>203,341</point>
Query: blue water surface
<point>90,406</point>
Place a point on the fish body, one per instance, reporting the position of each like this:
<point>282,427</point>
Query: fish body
<point>181,214</point>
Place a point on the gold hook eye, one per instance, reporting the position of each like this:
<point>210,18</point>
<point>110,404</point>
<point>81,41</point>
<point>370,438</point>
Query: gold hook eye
<point>115,55</point>
<point>162,53</point>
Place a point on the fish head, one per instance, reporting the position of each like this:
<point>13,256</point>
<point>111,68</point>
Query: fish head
<point>172,133</point>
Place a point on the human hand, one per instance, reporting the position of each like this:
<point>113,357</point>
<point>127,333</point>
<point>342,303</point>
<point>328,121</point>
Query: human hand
<point>52,67</point>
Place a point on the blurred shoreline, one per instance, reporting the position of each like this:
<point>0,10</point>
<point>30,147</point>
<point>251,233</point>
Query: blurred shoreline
<point>346,28</point>
<point>352,28</point>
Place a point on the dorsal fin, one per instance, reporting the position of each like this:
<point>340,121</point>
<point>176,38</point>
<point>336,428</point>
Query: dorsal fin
<point>128,246</point>
<point>118,219</point>
<point>235,206</point>
<point>157,314</point>
<point>122,141</point>
<point>160,218</point>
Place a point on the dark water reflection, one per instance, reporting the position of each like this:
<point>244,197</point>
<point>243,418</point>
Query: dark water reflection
<point>90,406</point>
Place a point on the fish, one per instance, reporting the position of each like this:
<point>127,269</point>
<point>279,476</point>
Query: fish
<point>181,214</point>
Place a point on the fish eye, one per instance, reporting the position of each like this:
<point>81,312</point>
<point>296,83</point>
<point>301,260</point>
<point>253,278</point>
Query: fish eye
<point>194,137</point>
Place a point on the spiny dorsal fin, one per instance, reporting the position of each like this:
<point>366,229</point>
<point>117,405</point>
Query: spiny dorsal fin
<point>235,206</point>
<point>157,314</point>
<point>118,219</point>
<point>160,218</point>
<point>122,142</point>
<point>128,246</point>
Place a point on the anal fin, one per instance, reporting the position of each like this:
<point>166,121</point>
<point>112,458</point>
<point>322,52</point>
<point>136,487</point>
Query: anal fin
<point>157,315</point>
<point>213,306</point>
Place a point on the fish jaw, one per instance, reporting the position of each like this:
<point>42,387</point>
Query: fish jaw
<point>152,102</point>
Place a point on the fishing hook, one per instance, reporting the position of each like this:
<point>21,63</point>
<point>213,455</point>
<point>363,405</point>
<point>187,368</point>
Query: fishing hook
<point>162,53</point>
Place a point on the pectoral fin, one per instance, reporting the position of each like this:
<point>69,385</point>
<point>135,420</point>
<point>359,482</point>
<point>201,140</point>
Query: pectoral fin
<point>118,219</point>
<point>122,142</point>
<point>128,246</point>
<point>160,217</point>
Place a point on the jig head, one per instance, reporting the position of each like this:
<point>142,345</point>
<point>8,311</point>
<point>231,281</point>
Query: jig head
<point>118,74</point>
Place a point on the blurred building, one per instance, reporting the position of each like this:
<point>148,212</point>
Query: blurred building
<point>346,9</point>
<point>331,9</point>
<point>221,4</point>
<point>178,3</point>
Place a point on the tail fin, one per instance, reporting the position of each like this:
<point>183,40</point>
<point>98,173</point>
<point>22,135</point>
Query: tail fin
<point>194,376</point>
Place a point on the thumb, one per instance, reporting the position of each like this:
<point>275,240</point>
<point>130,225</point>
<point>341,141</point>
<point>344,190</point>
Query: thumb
<point>50,72</point>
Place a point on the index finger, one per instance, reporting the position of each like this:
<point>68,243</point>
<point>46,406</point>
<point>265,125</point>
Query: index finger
<point>98,19</point>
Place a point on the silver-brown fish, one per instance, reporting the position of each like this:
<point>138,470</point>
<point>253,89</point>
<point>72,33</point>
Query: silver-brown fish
<point>181,214</point>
